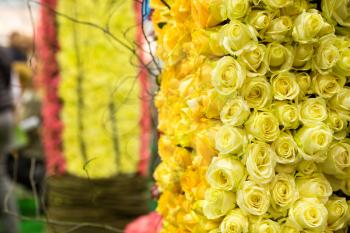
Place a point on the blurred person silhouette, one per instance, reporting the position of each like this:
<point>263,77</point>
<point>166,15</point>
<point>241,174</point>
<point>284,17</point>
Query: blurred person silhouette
<point>8,205</point>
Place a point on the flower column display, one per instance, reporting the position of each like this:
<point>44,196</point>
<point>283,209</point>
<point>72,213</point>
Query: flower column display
<point>254,110</point>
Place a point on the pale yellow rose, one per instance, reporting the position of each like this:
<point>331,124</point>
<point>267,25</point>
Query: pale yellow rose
<point>338,10</point>
<point>253,56</point>
<point>304,82</point>
<point>296,8</point>
<point>228,75</point>
<point>231,140</point>
<point>342,66</point>
<point>345,186</point>
<point>285,148</point>
<point>279,58</point>
<point>279,30</point>
<point>208,13</point>
<point>314,141</point>
<point>306,168</point>
<point>287,114</point>
<point>235,35</point>
<point>283,192</point>
<point>338,159</point>
<point>316,186</point>
<point>253,198</point>
<point>264,226</point>
<point>260,162</point>
<point>338,124</point>
<point>235,222</point>
<point>285,168</point>
<point>327,85</point>
<point>327,54</point>
<point>313,111</point>
<point>260,19</point>
<point>237,8</point>
<point>257,92</point>
<point>225,173</point>
<point>235,112</point>
<point>341,103</point>
<point>303,56</point>
<point>309,214</point>
<point>284,86</point>
<point>263,126</point>
<point>218,203</point>
<point>309,26</point>
<point>289,228</point>
<point>278,3</point>
<point>338,213</point>
<point>207,42</point>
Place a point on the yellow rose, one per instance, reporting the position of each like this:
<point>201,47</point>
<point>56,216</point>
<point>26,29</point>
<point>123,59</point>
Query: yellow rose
<point>257,92</point>
<point>345,186</point>
<point>218,203</point>
<point>338,159</point>
<point>235,112</point>
<point>303,56</point>
<point>306,168</point>
<point>342,66</point>
<point>225,173</point>
<point>316,186</point>
<point>313,111</point>
<point>283,192</point>
<point>209,104</point>
<point>253,198</point>
<point>289,228</point>
<point>308,27</point>
<point>285,148</point>
<point>287,114</point>
<point>204,145</point>
<point>231,140</point>
<point>263,126</point>
<point>279,58</point>
<point>260,19</point>
<point>235,35</point>
<point>266,225</point>
<point>208,13</point>
<point>237,8</point>
<point>314,141</point>
<point>308,214</point>
<point>260,162</point>
<point>228,75</point>
<point>338,124</point>
<point>253,56</point>
<point>284,86</point>
<point>338,213</point>
<point>304,82</point>
<point>278,3</point>
<point>337,10</point>
<point>279,29</point>
<point>285,168</point>
<point>327,54</point>
<point>341,103</point>
<point>296,8</point>
<point>235,222</point>
<point>207,42</point>
<point>327,85</point>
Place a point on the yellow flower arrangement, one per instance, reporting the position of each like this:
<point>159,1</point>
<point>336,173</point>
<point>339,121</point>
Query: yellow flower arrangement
<point>99,89</point>
<point>254,93</point>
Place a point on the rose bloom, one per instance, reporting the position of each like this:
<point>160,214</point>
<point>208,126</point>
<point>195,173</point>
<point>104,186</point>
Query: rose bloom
<point>257,92</point>
<point>228,75</point>
<point>279,58</point>
<point>341,103</point>
<point>263,126</point>
<point>287,114</point>
<point>306,168</point>
<point>218,203</point>
<point>338,10</point>
<point>237,8</point>
<point>279,29</point>
<point>315,186</point>
<point>327,85</point>
<point>304,82</point>
<point>313,111</point>
<point>252,55</point>
<point>265,225</point>
<point>235,221</point>
<point>208,13</point>
<point>225,173</point>
<point>338,213</point>
<point>308,214</point>
<point>327,54</point>
<point>253,198</point>
<point>278,3</point>
<point>314,141</point>
<point>283,192</point>
<point>231,140</point>
<point>260,162</point>
<point>286,149</point>
<point>284,86</point>
<point>303,56</point>
<point>235,111</point>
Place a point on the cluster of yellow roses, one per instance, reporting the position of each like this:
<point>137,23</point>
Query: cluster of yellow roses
<point>99,89</point>
<point>254,112</point>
